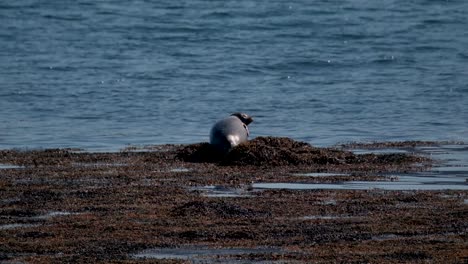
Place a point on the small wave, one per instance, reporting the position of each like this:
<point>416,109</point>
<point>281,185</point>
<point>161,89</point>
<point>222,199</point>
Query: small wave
<point>357,36</point>
<point>65,18</point>
<point>428,48</point>
<point>301,64</point>
<point>384,60</point>
<point>58,68</point>
<point>218,14</point>
<point>463,55</point>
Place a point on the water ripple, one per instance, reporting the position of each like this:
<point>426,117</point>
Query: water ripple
<point>164,71</point>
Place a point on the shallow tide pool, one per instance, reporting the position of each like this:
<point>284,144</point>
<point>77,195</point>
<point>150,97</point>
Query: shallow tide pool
<point>450,172</point>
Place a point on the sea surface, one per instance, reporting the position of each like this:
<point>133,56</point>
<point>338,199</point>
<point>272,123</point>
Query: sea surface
<point>101,75</point>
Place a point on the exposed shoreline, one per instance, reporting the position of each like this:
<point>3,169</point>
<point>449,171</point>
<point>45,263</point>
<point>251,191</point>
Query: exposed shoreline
<point>174,201</point>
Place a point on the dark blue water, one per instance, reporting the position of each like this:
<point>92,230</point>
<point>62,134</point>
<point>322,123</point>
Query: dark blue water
<point>101,74</point>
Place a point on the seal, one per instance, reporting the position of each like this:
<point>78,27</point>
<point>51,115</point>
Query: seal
<point>230,131</point>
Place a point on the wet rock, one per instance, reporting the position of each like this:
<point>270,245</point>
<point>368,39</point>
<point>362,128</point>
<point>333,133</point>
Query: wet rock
<point>35,234</point>
<point>273,151</point>
<point>17,213</point>
<point>281,151</point>
<point>43,195</point>
<point>200,152</point>
<point>147,202</point>
<point>408,256</point>
<point>210,208</point>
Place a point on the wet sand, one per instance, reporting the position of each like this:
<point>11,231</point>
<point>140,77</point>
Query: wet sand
<point>187,204</point>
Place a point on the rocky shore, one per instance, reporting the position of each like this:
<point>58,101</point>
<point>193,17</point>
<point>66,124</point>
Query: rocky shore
<point>188,204</point>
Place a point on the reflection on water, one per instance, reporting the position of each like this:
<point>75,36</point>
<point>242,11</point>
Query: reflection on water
<point>199,252</point>
<point>10,166</point>
<point>361,185</point>
<point>221,191</point>
<point>449,173</point>
<point>321,174</point>
<point>16,225</point>
<point>328,217</point>
<point>37,220</point>
<point>99,164</point>
<point>179,170</point>
<point>52,214</point>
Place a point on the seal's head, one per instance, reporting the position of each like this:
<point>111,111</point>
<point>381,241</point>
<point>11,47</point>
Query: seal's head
<point>245,118</point>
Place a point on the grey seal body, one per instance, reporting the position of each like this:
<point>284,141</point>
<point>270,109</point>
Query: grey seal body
<point>230,131</point>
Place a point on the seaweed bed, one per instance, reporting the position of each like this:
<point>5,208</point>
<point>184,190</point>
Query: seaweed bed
<point>272,151</point>
<point>65,205</point>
